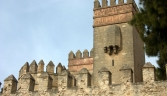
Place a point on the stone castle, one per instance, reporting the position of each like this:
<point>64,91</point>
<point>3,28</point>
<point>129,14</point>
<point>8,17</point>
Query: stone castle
<point>115,66</point>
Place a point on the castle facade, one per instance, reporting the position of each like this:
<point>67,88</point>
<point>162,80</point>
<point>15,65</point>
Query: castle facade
<point>114,67</point>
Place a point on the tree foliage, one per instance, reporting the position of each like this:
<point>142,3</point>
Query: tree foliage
<point>151,21</point>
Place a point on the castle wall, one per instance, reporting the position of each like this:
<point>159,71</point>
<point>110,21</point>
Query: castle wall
<point>149,87</point>
<point>129,89</point>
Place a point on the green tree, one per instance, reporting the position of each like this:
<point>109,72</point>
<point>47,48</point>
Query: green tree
<point>151,21</point>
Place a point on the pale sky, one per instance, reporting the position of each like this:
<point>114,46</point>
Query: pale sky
<point>43,29</point>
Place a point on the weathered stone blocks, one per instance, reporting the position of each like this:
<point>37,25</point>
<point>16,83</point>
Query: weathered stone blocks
<point>50,68</point>
<point>41,66</point>
<point>91,53</point>
<point>27,83</point>
<point>148,73</point>
<point>66,85</point>
<point>59,68</point>
<point>120,1</point>
<point>104,3</point>
<point>85,53</point>
<point>104,76</point>
<point>24,69</point>
<point>78,54</point>
<point>96,4</point>
<point>33,67</point>
<point>75,64</point>
<point>64,80</point>
<point>112,40</point>
<point>127,74</point>
<point>45,82</point>
<point>84,78</point>
<point>112,2</point>
<point>130,1</point>
<point>10,85</point>
<point>71,55</point>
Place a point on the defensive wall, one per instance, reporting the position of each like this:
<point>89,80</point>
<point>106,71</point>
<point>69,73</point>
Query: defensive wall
<point>66,84</point>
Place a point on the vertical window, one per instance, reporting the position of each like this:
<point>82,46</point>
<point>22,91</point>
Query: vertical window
<point>112,62</point>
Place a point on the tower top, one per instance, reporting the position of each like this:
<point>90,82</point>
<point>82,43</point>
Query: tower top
<point>114,13</point>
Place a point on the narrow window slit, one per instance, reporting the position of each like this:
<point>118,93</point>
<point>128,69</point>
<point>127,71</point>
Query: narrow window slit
<point>112,62</point>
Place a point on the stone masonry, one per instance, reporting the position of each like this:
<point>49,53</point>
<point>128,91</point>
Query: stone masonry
<point>114,67</point>
<point>77,62</point>
<point>115,41</point>
<point>66,84</point>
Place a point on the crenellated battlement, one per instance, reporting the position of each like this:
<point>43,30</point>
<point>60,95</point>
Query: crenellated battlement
<point>80,55</point>
<point>112,3</point>
<point>80,60</point>
<point>66,83</point>
<point>37,71</point>
<point>105,14</point>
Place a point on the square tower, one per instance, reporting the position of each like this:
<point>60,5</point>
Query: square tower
<point>116,43</point>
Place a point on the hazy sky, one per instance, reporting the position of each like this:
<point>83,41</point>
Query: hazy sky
<point>43,29</point>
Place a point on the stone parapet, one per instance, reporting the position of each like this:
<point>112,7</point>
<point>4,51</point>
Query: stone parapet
<point>10,85</point>
<point>59,68</point>
<point>127,74</point>
<point>148,73</point>
<point>105,88</point>
<point>27,83</point>
<point>64,81</point>
<point>45,82</point>
<point>104,77</point>
<point>41,66</point>
<point>84,78</point>
<point>33,67</point>
<point>50,67</point>
<point>114,13</point>
<point>79,54</point>
<point>24,69</point>
<point>80,60</point>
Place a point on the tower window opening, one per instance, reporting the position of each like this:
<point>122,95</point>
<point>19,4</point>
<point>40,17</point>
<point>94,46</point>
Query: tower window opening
<point>112,62</point>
